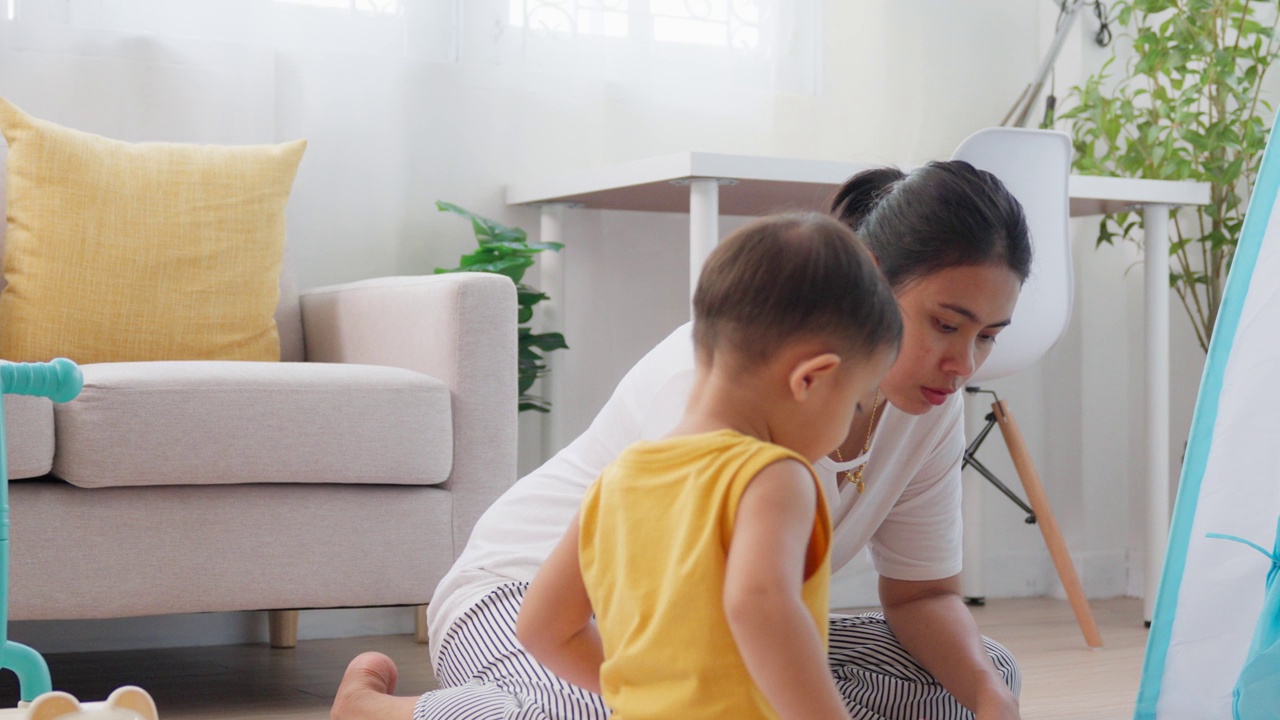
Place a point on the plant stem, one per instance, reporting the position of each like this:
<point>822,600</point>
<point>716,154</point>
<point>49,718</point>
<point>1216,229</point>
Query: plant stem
<point>1185,262</point>
<point>1194,326</point>
<point>1262,73</point>
<point>1244,14</point>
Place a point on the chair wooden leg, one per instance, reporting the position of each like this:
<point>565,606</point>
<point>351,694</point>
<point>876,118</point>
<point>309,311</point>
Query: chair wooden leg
<point>420,623</point>
<point>1047,522</point>
<point>283,626</point>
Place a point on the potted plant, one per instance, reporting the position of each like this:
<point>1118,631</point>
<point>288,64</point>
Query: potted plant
<point>507,251</point>
<point>1184,105</point>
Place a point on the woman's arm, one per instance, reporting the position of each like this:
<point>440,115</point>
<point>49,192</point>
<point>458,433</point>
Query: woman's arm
<point>775,633</point>
<point>931,621</point>
<point>555,618</point>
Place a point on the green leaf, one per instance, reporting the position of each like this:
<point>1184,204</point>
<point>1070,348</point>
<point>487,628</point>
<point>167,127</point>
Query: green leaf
<point>526,382</point>
<point>546,341</point>
<point>534,403</point>
<point>511,267</point>
<point>547,246</point>
<point>486,230</point>
<point>528,297</point>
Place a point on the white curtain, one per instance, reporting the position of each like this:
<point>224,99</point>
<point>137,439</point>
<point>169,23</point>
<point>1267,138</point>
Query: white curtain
<point>769,45</point>
<point>766,45</point>
<point>417,29</point>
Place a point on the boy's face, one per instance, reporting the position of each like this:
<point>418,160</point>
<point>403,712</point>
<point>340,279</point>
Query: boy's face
<point>855,380</point>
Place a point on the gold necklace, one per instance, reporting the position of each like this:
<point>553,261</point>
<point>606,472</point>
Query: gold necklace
<point>855,476</point>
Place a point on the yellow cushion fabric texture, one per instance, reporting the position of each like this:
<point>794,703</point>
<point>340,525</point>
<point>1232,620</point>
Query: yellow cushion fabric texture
<point>118,251</point>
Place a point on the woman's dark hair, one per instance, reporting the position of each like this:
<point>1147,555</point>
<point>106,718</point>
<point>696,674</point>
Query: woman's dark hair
<point>790,276</point>
<point>943,215</point>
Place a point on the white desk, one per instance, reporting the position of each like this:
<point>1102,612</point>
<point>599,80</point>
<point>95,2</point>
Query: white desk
<point>692,182</point>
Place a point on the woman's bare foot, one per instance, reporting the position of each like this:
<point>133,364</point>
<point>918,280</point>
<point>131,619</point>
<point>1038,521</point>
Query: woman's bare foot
<point>365,691</point>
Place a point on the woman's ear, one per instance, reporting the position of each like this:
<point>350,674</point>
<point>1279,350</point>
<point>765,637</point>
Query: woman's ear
<point>809,371</point>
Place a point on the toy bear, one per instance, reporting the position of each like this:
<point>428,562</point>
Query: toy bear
<point>126,703</point>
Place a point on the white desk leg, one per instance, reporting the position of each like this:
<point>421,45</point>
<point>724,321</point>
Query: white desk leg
<point>1156,261</point>
<point>704,224</point>
<point>551,266</point>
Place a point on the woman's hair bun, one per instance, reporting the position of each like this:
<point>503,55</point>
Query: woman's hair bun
<point>861,193</point>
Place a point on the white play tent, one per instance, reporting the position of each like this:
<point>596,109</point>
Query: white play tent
<point>1219,601</point>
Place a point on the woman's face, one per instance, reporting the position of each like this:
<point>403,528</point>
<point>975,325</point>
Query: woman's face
<point>950,322</point>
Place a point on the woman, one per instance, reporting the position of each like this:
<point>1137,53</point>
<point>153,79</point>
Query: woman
<point>954,245</point>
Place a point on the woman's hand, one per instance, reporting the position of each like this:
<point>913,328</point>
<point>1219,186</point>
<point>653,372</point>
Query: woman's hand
<point>997,703</point>
<point>931,621</point>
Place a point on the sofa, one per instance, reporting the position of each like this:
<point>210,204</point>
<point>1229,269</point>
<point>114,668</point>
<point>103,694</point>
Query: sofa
<point>349,474</point>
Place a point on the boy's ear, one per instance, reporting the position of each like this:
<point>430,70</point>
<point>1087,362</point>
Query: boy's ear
<point>810,371</point>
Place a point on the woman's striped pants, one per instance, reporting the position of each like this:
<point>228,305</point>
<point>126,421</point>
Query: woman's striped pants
<point>484,674</point>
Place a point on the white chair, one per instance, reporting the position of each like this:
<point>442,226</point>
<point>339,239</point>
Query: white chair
<point>1035,166</point>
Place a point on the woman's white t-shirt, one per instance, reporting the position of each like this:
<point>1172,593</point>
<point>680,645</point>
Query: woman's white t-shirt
<point>909,512</point>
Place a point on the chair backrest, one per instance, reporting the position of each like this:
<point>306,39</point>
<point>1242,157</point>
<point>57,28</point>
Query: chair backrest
<point>1034,165</point>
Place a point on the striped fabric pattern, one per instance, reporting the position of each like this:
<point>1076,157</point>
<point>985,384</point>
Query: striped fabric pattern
<point>484,674</point>
<point>881,681</point>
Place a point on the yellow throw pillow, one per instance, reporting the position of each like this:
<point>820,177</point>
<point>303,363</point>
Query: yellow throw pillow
<point>119,251</point>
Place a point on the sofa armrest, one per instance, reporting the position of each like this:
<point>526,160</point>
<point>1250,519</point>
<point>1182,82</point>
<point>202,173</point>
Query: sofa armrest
<point>459,328</point>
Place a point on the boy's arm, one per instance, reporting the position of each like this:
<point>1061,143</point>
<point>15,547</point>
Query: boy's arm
<point>774,631</point>
<point>555,618</point>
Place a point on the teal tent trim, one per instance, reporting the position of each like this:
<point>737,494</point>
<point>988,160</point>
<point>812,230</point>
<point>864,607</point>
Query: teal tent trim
<point>1257,692</point>
<point>1257,218</point>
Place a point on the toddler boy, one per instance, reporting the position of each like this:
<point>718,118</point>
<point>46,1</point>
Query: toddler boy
<point>704,556</point>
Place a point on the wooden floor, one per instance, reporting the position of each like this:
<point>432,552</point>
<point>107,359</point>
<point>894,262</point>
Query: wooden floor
<point>1062,678</point>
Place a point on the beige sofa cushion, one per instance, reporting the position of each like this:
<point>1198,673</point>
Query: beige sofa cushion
<point>221,422</point>
<point>28,423</point>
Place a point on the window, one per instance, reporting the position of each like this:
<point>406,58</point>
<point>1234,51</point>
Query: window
<point>422,29</point>
<point>366,7</point>
<point>715,23</point>
<point>744,42</point>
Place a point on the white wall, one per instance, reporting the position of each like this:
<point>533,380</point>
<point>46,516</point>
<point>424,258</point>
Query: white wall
<point>901,82</point>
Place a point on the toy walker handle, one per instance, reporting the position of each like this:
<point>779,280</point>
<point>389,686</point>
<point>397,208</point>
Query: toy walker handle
<point>59,380</point>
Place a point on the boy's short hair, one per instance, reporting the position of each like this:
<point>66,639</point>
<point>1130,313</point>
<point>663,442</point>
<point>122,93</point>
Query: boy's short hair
<point>790,276</point>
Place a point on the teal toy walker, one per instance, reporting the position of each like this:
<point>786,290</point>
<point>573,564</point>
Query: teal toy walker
<point>60,381</point>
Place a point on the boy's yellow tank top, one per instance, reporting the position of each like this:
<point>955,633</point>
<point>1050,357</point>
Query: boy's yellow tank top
<point>654,538</point>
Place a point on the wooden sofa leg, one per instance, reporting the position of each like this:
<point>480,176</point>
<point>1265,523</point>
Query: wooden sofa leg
<point>420,623</point>
<point>283,625</point>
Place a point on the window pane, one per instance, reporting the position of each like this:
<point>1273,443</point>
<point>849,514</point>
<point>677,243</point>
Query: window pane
<point>421,29</point>
<point>747,43</point>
